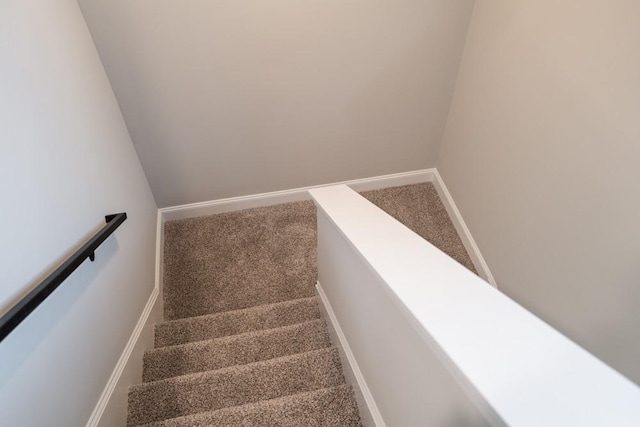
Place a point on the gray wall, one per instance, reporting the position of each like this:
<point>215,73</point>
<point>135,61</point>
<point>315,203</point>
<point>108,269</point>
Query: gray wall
<point>67,160</point>
<point>542,155</point>
<point>231,98</point>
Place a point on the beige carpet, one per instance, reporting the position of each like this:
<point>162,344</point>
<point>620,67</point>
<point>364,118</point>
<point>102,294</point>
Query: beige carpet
<point>419,208</point>
<point>243,343</point>
<point>239,259</point>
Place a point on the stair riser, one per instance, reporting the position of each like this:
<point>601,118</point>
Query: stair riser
<point>234,386</point>
<point>326,407</point>
<point>236,350</point>
<point>236,322</point>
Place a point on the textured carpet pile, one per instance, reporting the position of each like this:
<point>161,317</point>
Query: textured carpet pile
<point>244,343</point>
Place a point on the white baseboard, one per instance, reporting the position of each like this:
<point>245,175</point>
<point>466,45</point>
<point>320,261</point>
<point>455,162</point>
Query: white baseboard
<point>369,412</point>
<point>160,220</point>
<point>365,184</point>
<point>114,383</point>
<point>111,409</point>
<point>293,195</point>
<point>462,229</point>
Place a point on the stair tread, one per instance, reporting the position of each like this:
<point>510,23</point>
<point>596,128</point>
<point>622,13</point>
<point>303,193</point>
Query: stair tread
<point>235,322</point>
<point>248,347</point>
<point>334,406</point>
<point>233,386</point>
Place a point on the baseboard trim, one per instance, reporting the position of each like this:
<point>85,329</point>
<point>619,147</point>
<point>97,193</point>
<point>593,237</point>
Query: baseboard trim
<point>160,220</point>
<point>105,397</point>
<point>462,229</point>
<point>363,394</point>
<point>294,195</point>
<point>299,194</point>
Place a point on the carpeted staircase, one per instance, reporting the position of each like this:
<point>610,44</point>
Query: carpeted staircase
<point>263,366</point>
<point>244,343</point>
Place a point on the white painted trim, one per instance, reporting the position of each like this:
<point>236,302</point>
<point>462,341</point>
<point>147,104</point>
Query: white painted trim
<point>462,229</point>
<point>160,220</point>
<point>159,285</point>
<point>385,181</point>
<point>299,194</point>
<point>361,384</point>
<point>294,195</point>
<point>366,417</point>
<point>128,357</point>
<point>96,415</point>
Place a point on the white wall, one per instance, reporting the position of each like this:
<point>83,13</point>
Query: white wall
<point>541,154</point>
<point>230,98</point>
<point>67,160</point>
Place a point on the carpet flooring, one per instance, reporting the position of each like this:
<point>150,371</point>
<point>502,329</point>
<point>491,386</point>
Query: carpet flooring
<point>419,208</point>
<point>243,342</point>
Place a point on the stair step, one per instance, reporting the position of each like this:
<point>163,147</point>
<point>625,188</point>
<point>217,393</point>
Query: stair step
<point>335,406</point>
<point>236,322</point>
<point>233,386</point>
<point>232,350</point>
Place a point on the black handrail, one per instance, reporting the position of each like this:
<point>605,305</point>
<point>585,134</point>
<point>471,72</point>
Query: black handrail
<point>26,305</point>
